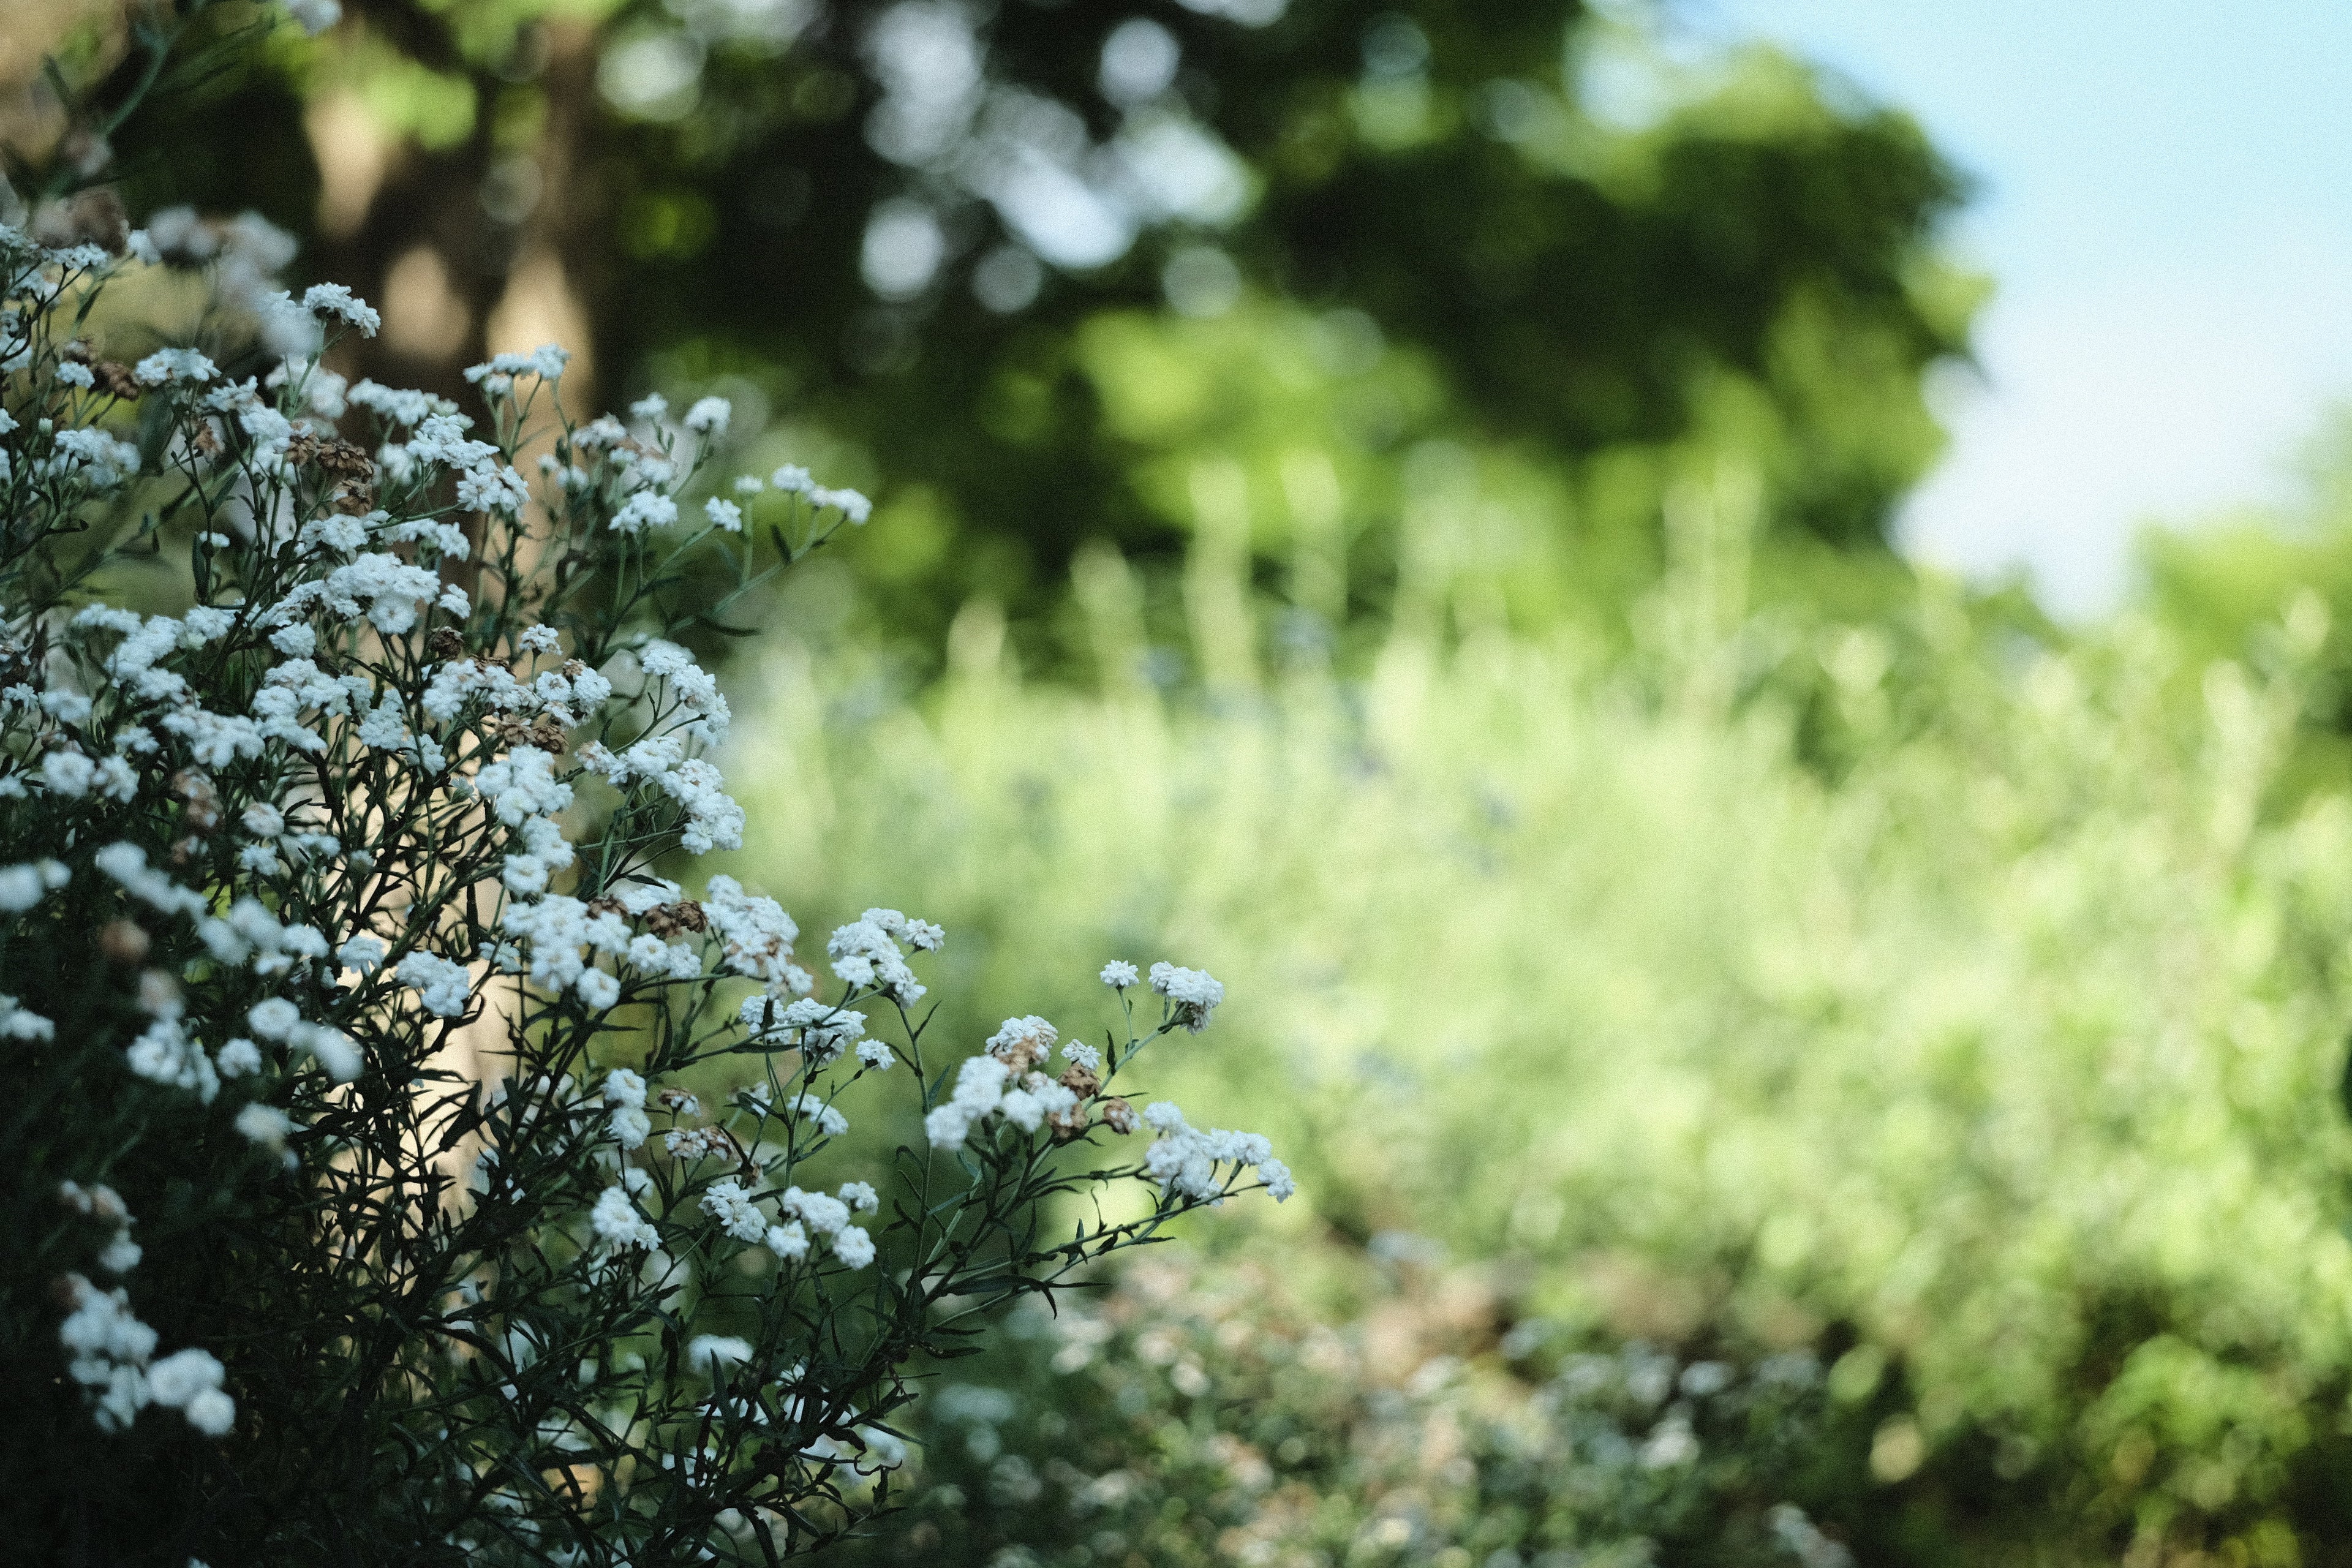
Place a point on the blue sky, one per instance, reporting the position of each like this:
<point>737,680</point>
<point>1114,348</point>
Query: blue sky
<point>2164,200</point>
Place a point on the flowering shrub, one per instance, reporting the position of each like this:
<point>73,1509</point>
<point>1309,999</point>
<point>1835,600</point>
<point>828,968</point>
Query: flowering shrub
<point>412,1169</point>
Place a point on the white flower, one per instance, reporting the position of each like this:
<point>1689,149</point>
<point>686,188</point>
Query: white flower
<point>980,1089</point>
<point>19,1023</point>
<point>731,1206</point>
<point>174,364</point>
<point>707,1354</point>
<point>854,1246</point>
<point>361,954</point>
<point>849,503</point>
<point>213,1413</point>
<point>238,1058</point>
<point>823,1215</point>
<point>597,989</point>
<point>1118,975</point>
<point>20,888</point>
<point>275,1018</point>
<point>618,1224</point>
<point>335,1051</point>
<point>1083,1055</point>
<point>388,589</point>
<point>693,687</point>
<point>821,1030</point>
<point>860,1196</point>
<point>332,300</point>
<point>1191,994</point>
<point>1020,1042</point>
<point>68,773</point>
<point>443,987</point>
<point>181,1377</point>
<point>864,955</point>
<point>1037,1098</point>
<point>522,784</point>
<point>1184,1160</point>
<point>265,1124</point>
<point>708,416</point>
<point>23,885</point>
<point>755,934</point>
<point>788,1240</point>
<point>723,514</point>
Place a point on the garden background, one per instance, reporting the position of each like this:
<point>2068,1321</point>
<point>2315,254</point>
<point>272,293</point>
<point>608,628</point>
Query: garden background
<point>1789,1057</point>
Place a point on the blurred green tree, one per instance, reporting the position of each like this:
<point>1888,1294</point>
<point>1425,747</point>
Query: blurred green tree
<point>1287,276</point>
<point>2269,584</point>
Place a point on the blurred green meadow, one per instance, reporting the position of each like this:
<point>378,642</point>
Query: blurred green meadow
<point>1967,1011</point>
<point>1789,1058</point>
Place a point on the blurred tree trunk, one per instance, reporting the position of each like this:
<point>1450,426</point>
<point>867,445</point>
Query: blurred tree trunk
<point>477,248</point>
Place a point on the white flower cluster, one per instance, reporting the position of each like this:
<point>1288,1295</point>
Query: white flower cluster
<point>280,1019</point>
<point>755,937</point>
<point>29,882</point>
<point>625,1091</point>
<point>988,1086</point>
<point>1006,1082</point>
<point>496,375</point>
<point>103,1204</point>
<point>793,480</point>
<point>1191,994</point>
<point>693,688</point>
<point>18,1022</point>
<point>800,1218</point>
<point>713,820</point>
<point>616,1218</point>
<point>250,936</point>
<point>569,697</point>
<point>564,936</point>
<point>443,988</point>
<point>523,793</point>
<point>866,952</point>
<point>111,1358</point>
<point>820,1030</point>
<point>1185,1160</point>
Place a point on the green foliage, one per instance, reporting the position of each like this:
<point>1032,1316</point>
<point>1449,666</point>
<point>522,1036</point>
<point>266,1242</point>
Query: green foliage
<point>2221,583</point>
<point>1474,238</point>
<point>1919,981</point>
<point>1355,1411</point>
